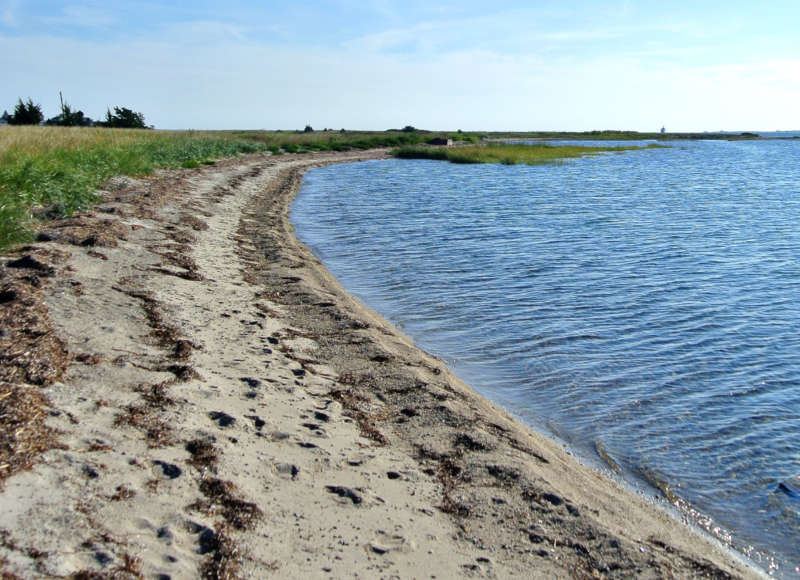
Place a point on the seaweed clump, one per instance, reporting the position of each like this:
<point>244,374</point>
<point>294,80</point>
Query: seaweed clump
<point>31,356</point>
<point>24,436</point>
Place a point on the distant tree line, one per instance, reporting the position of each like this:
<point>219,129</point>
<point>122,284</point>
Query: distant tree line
<point>30,113</point>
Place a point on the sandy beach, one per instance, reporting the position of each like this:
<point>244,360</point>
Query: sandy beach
<point>187,392</point>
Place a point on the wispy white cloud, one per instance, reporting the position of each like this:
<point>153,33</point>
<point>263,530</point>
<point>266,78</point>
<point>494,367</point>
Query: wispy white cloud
<point>205,32</point>
<point>524,31</point>
<point>9,13</point>
<point>84,16</point>
<point>499,71</point>
<point>581,35</point>
<point>423,34</point>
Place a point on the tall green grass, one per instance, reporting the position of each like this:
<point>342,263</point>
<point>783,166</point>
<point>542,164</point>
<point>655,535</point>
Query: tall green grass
<point>56,170</point>
<point>508,154</point>
<point>293,142</point>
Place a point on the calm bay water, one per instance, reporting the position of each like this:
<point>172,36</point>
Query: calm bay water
<point>643,307</point>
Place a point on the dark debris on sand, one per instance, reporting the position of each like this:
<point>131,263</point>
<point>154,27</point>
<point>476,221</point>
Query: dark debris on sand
<point>32,356</point>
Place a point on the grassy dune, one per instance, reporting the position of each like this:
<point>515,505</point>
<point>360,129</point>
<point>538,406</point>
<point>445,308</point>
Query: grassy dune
<point>509,154</point>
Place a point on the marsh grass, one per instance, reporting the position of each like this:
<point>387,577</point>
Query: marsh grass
<point>509,154</point>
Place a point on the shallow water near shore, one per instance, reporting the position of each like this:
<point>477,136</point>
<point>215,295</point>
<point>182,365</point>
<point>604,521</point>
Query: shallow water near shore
<point>644,307</point>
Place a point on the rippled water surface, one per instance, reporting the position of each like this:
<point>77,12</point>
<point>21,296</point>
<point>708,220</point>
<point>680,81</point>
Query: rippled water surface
<point>644,307</point>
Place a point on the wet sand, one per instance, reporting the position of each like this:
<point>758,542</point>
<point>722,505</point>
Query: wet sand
<point>192,393</point>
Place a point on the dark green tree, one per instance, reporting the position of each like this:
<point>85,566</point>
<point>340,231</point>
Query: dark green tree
<point>308,129</point>
<point>124,117</point>
<point>26,113</point>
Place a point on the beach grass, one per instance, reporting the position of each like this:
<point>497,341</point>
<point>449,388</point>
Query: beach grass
<point>300,142</point>
<point>509,154</point>
<point>55,171</point>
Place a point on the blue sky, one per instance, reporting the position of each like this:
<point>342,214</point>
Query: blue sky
<point>537,65</point>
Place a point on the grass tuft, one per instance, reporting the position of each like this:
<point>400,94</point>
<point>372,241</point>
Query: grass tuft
<point>508,154</point>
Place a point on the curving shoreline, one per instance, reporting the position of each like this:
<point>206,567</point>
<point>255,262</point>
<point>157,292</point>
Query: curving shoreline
<point>237,412</point>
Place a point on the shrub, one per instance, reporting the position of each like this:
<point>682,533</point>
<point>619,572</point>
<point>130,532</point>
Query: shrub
<point>123,118</point>
<point>26,113</point>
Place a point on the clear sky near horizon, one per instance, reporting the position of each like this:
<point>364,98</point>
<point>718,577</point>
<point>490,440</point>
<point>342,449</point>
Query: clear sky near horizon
<point>696,65</point>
